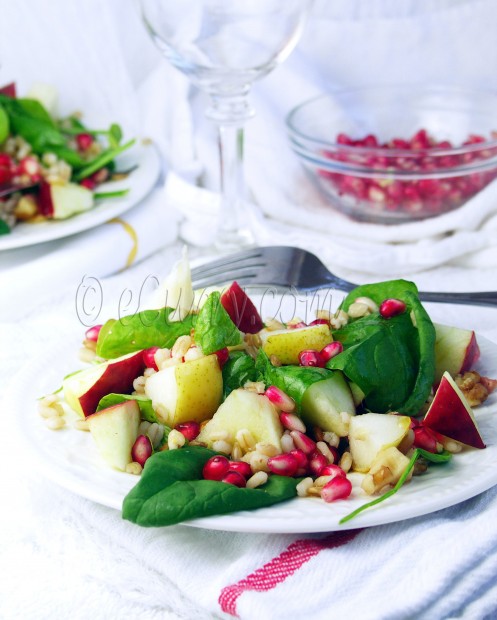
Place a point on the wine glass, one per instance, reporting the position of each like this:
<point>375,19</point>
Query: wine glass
<point>223,46</point>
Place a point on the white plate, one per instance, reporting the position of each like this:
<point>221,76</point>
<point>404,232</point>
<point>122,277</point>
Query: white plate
<point>139,183</point>
<point>69,458</point>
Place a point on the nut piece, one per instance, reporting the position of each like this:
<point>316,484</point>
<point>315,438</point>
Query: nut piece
<point>470,384</point>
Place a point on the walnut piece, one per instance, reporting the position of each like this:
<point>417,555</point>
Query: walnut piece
<point>475,387</point>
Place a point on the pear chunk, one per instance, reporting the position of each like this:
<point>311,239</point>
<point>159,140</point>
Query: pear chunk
<point>370,433</point>
<point>325,403</point>
<point>243,409</point>
<point>286,344</point>
<point>188,391</point>
<point>115,430</point>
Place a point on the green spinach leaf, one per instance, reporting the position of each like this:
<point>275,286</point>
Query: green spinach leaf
<point>214,330</point>
<point>144,403</point>
<point>391,360</point>
<point>239,369</point>
<point>171,490</point>
<point>4,227</point>
<point>293,380</point>
<point>149,328</point>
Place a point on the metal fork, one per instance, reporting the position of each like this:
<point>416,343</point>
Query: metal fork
<point>287,267</point>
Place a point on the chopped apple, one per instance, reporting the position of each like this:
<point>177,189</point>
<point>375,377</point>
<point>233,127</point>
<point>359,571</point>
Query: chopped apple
<point>60,201</point>
<point>115,430</point>
<point>243,409</point>
<point>456,350</point>
<point>370,433</point>
<point>286,344</point>
<point>176,291</point>
<point>83,390</point>
<point>241,310</point>
<point>47,95</point>
<point>450,415</point>
<point>188,391</point>
<point>329,404</point>
<point>387,468</point>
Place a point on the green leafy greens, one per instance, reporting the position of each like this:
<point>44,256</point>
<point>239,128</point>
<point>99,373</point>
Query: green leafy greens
<point>172,490</point>
<point>214,330</point>
<point>391,360</point>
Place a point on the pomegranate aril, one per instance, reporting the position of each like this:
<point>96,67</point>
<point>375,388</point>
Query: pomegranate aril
<point>425,439</point>
<point>142,449</point>
<point>235,478</point>
<point>301,458</point>
<point>88,183</point>
<point>280,399</point>
<point>320,322</point>
<point>330,350</point>
<point>242,468</point>
<point>333,470</point>
<point>92,333</point>
<point>190,430</point>
<point>84,141</point>
<point>149,358</point>
<point>336,488</point>
<point>292,422</point>
<point>392,307</point>
<point>311,357</point>
<point>283,464</point>
<point>222,356</point>
<point>317,462</point>
<point>216,468</point>
<point>302,442</point>
<point>30,167</point>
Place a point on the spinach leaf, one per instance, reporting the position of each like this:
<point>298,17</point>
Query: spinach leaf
<point>214,330</point>
<point>171,490</point>
<point>145,329</point>
<point>144,403</point>
<point>391,360</point>
<point>4,125</point>
<point>293,380</point>
<point>239,369</point>
<point>4,227</point>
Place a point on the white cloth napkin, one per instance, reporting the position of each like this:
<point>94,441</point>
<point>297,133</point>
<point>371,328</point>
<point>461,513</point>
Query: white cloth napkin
<point>33,275</point>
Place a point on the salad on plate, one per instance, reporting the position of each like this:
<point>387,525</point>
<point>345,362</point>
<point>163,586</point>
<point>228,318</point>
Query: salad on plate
<point>215,409</point>
<point>50,167</point>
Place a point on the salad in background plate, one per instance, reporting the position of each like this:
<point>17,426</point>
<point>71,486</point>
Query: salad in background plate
<point>217,410</point>
<point>50,167</point>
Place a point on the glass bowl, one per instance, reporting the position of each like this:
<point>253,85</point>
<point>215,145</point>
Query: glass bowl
<point>398,153</point>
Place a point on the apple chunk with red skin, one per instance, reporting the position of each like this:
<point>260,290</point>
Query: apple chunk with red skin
<point>456,350</point>
<point>450,415</point>
<point>241,310</point>
<point>60,201</point>
<point>114,431</point>
<point>83,390</point>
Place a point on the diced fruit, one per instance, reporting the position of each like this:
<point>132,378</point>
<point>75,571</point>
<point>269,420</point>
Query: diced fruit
<point>317,462</point>
<point>456,350</point>
<point>425,439</point>
<point>336,488</point>
<point>280,399</point>
<point>176,291</point>
<point>283,464</point>
<point>331,350</point>
<point>303,442</point>
<point>59,202</point>
<point>47,95</point>
<point>450,415</point>
<point>286,344</point>
<point>241,467</point>
<point>83,390</point>
<point>370,433</point>
<point>357,394</point>
<point>325,401</point>
<point>115,430</point>
<point>189,429</point>
<point>235,478</point>
<point>216,468</point>
<point>312,358</point>
<point>243,409</point>
<point>386,469</point>
<point>190,391</point>
<point>142,449</point>
<point>9,90</point>
<point>241,310</point>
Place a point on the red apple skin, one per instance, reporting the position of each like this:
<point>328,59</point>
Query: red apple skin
<point>451,416</point>
<point>456,351</point>
<point>9,90</point>
<point>241,310</point>
<point>118,377</point>
<point>45,203</point>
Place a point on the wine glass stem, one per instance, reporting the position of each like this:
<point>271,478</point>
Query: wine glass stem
<point>230,113</point>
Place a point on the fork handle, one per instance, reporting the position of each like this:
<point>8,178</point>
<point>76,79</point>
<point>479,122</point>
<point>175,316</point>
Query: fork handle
<point>472,299</point>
